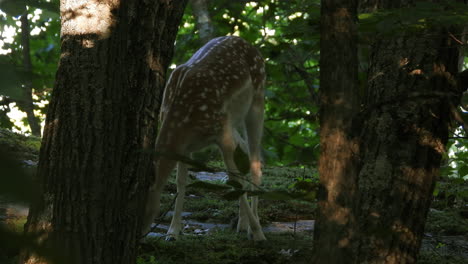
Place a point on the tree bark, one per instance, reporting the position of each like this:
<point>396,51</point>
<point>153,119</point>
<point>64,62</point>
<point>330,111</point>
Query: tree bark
<point>26,102</point>
<point>339,103</point>
<point>411,91</point>
<point>203,20</point>
<point>93,170</point>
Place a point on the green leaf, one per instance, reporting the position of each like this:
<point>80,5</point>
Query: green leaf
<point>464,101</point>
<point>13,7</point>
<point>235,184</point>
<point>305,185</point>
<point>10,76</point>
<point>208,186</point>
<point>51,8</point>
<point>276,195</point>
<point>365,16</point>
<point>18,7</point>
<point>196,165</point>
<point>463,171</point>
<point>309,196</point>
<point>233,195</point>
<point>463,115</point>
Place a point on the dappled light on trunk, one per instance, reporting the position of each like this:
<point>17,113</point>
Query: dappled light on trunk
<point>339,105</point>
<point>94,17</point>
<point>406,127</point>
<point>93,171</point>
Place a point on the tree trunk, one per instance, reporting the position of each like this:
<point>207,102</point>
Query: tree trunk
<point>411,91</point>
<point>93,171</point>
<point>26,102</point>
<point>203,20</point>
<point>339,103</point>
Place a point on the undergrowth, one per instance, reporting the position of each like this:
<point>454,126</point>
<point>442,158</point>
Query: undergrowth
<point>227,247</point>
<point>210,206</point>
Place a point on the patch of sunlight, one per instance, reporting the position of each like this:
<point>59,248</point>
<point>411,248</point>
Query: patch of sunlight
<point>262,9</point>
<point>295,123</point>
<point>36,31</point>
<point>456,147</point>
<point>187,25</point>
<point>35,16</point>
<point>8,34</point>
<point>252,4</point>
<point>236,31</point>
<point>16,116</point>
<point>4,51</point>
<point>295,15</point>
<point>269,31</point>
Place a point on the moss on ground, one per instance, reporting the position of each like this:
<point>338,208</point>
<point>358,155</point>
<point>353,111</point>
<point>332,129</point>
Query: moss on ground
<point>431,257</point>
<point>447,222</point>
<point>209,205</point>
<point>227,247</point>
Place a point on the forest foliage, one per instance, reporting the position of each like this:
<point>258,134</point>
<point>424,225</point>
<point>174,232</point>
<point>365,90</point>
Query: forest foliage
<point>288,35</point>
<point>286,32</point>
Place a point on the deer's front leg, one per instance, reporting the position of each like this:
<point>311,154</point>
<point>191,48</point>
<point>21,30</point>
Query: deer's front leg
<point>153,203</point>
<point>176,223</point>
<point>254,127</point>
<point>152,207</point>
<point>228,146</point>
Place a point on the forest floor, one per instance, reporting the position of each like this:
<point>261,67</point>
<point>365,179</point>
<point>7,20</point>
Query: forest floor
<point>288,226</point>
<point>208,236</point>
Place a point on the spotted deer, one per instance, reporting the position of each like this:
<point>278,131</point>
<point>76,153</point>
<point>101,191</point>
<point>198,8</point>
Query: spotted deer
<point>215,97</point>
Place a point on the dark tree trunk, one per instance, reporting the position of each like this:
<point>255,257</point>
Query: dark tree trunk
<point>26,102</point>
<point>412,90</point>
<point>338,106</point>
<point>93,171</point>
<point>203,20</point>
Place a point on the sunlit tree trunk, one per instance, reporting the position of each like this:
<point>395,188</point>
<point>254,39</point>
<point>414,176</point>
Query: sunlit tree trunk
<point>93,170</point>
<point>26,102</point>
<point>203,20</point>
<point>412,91</point>
<point>339,103</point>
